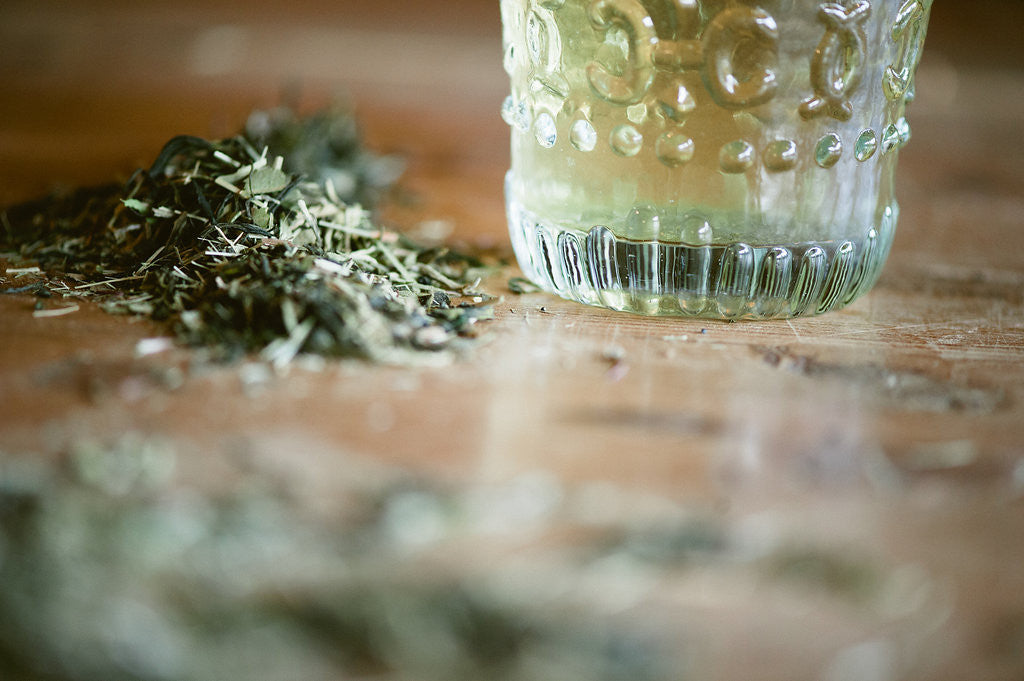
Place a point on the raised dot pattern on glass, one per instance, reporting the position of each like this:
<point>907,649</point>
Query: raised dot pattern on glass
<point>626,140</point>
<point>867,143</point>
<point>674,148</point>
<point>657,55</point>
<point>739,114</point>
<point>828,150</point>
<point>582,135</point>
<point>736,157</point>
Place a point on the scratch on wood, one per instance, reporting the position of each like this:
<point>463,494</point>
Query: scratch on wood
<point>902,390</point>
<point>906,327</point>
<point>796,333</point>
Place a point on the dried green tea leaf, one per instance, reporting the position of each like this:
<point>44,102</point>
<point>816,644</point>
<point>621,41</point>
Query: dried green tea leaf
<point>261,217</point>
<point>146,578</point>
<point>266,181</point>
<point>140,207</point>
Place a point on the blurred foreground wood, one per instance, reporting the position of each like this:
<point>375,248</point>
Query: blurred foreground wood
<point>894,428</point>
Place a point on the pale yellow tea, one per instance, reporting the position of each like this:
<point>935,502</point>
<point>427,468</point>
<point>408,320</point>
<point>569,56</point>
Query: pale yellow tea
<point>717,158</point>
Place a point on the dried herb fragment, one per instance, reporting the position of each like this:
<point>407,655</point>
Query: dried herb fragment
<point>116,568</point>
<point>521,285</point>
<point>249,244</point>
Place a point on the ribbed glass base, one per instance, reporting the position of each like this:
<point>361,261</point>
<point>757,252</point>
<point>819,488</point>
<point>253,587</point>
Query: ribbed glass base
<point>718,281</point>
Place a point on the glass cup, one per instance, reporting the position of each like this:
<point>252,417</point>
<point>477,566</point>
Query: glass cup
<point>715,158</point>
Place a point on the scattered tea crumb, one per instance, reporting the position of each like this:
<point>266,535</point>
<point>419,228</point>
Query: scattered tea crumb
<point>153,346</point>
<point>618,367</point>
<point>55,311</point>
<point>521,285</point>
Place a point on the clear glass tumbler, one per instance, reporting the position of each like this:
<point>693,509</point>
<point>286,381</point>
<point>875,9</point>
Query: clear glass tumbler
<point>716,158</point>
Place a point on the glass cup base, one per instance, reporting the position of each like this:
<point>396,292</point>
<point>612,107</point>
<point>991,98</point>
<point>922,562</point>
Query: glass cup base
<point>715,281</point>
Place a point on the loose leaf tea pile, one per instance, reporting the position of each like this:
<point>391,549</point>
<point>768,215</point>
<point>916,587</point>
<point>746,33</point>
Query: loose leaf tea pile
<point>258,243</point>
<point>114,569</point>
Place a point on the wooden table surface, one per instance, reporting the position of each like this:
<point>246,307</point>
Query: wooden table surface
<point>892,429</point>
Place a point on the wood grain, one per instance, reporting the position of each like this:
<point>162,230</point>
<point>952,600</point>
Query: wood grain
<point>895,427</point>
